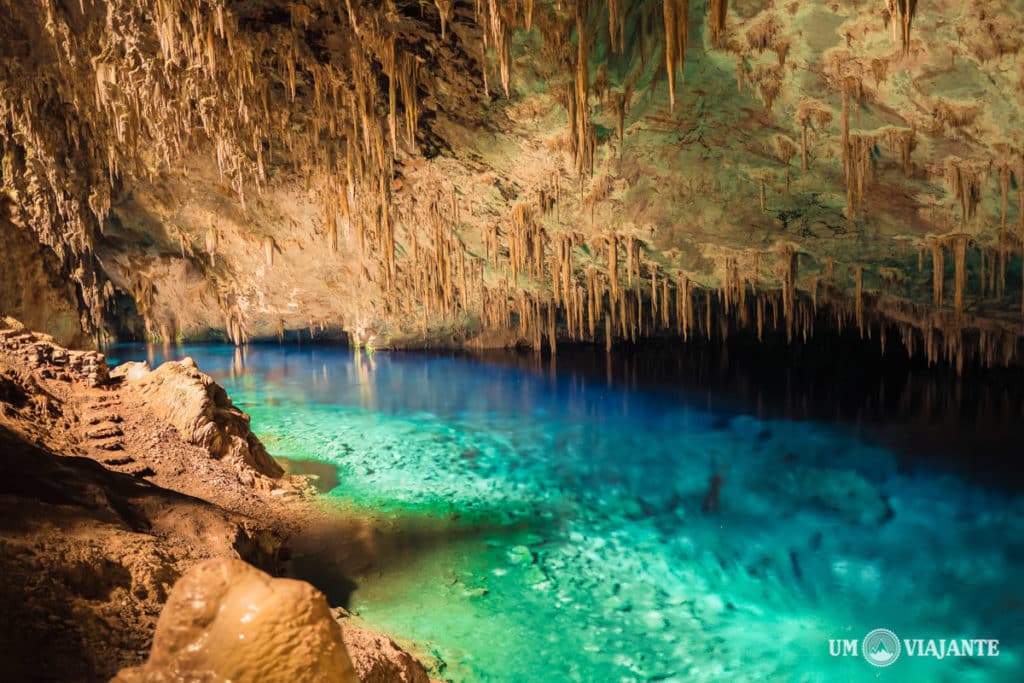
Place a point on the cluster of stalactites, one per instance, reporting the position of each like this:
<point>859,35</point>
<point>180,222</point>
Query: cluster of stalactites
<point>173,77</point>
<point>810,113</point>
<point>993,264</point>
<point>965,181</point>
<point>538,287</point>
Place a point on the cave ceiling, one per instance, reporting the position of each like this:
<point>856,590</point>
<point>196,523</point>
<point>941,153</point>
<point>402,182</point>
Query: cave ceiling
<point>492,173</point>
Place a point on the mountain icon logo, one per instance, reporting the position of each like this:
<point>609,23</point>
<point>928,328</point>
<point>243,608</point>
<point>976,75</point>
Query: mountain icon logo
<point>881,647</point>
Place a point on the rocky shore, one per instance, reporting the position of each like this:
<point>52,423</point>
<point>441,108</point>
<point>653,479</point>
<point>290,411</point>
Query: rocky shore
<point>114,486</point>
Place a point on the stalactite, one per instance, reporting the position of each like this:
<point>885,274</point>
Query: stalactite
<point>444,9</point>
<point>613,264</point>
<point>666,306</point>
<point>676,14</point>
<point>630,256</point>
<point>938,273</point>
<point>965,181</point>
<point>616,26</point>
<point>903,140</point>
<point>960,282</point>
<point>859,162</point>
<point>619,104</point>
<point>552,330</point>
<point>810,112</point>
<point>787,149</point>
<point>582,131</point>
<point>907,10</point>
<point>212,241</point>
<point>719,10</point>
<point>849,86</point>
<point>591,302</point>
<point>268,250</point>
<point>1005,170</point>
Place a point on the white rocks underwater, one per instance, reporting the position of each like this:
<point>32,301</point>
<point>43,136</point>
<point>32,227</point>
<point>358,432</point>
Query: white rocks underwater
<point>568,529</point>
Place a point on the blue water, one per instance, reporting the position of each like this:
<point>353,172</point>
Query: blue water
<point>562,536</point>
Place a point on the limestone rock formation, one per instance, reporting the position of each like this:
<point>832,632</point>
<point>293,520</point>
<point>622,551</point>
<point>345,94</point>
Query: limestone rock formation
<point>39,350</point>
<point>201,411</point>
<point>227,621</point>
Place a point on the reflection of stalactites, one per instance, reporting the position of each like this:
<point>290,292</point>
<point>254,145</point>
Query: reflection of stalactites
<point>790,267</point>
<point>1020,194</point>
<point>859,301</point>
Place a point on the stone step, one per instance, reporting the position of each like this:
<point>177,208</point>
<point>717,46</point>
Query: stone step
<point>118,461</point>
<point>104,432</point>
<point>137,469</point>
<point>99,419</point>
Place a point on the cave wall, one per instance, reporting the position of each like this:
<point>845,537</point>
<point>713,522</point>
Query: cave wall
<point>35,290</point>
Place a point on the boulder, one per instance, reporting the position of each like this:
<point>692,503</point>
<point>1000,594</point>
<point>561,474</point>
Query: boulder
<point>199,408</point>
<point>225,620</point>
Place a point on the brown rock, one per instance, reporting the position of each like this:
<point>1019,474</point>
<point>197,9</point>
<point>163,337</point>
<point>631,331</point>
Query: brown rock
<point>201,411</point>
<point>377,659</point>
<point>228,621</point>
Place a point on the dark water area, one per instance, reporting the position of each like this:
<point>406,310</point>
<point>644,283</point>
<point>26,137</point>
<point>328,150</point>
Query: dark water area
<point>971,423</point>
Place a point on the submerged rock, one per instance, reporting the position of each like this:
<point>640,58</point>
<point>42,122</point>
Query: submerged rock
<point>200,409</point>
<point>842,492</point>
<point>228,621</point>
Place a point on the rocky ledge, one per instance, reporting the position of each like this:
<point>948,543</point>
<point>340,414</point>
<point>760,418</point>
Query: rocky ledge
<point>117,492</point>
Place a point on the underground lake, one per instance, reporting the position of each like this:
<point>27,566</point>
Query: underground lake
<point>656,515</point>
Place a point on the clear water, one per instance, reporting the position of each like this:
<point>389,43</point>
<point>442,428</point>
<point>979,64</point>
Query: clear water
<point>559,533</point>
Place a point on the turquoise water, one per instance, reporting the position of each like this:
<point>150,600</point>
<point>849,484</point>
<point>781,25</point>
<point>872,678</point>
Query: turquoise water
<point>539,524</point>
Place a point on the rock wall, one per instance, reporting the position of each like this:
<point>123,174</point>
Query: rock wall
<point>34,288</point>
